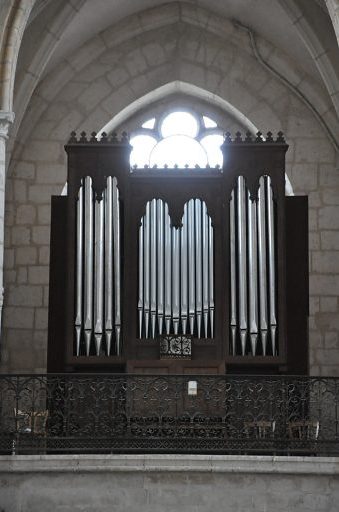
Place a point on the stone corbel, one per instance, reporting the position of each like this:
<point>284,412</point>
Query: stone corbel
<point>6,119</point>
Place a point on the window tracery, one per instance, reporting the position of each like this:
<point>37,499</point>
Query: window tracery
<point>180,138</point>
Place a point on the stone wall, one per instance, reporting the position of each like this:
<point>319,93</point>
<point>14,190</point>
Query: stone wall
<point>163,483</point>
<point>119,67</point>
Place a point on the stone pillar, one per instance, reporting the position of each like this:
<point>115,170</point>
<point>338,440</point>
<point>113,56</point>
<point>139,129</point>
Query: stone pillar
<point>6,118</point>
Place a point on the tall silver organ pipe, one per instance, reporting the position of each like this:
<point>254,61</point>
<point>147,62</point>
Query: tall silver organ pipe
<point>99,274</point>
<point>198,259</point>
<point>108,264</point>
<point>242,254</point>
<point>147,268</point>
<point>233,273</point>
<point>79,269</point>
<point>175,279</point>
<point>98,271</point>
<point>141,276</point>
<point>153,257</point>
<point>176,270</point>
<point>160,263</point>
<point>88,271</point>
<point>168,270</point>
<point>205,264</point>
<point>211,272</point>
<point>183,277</point>
<point>117,269</point>
<point>262,263</point>
<point>191,264</point>
<point>271,257</point>
<point>253,271</point>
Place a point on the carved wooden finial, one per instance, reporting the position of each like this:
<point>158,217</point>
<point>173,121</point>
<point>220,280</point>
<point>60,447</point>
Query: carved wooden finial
<point>280,137</point>
<point>269,137</point>
<point>83,137</point>
<point>259,137</point>
<point>124,137</point>
<point>93,137</point>
<point>248,137</point>
<point>104,137</point>
<point>73,138</point>
<point>228,137</point>
<point>176,166</point>
<point>238,137</point>
<point>114,137</point>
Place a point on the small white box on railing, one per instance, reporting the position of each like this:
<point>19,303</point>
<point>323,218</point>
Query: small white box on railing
<point>192,387</point>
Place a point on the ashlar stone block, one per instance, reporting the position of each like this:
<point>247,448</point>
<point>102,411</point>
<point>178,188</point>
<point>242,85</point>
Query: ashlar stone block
<point>25,214</point>
<point>38,274</point>
<point>18,317</point>
<point>24,295</point>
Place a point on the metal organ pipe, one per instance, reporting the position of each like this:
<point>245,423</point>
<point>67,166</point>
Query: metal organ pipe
<point>117,272</point>
<point>79,269</point>
<point>175,278</point>
<point>153,257</point>
<point>183,280</point>
<point>168,271</point>
<point>271,256</point>
<point>191,265</point>
<point>253,272</point>
<point>99,274</point>
<point>147,267</point>
<point>160,263</point>
<point>233,274</point>
<point>205,266</point>
<point>108,264</point>
<point>211,272</point>
<point>262,263</point>
<point>242,260</point>
<point>88,274</point>
<point>198,263</point>
<point>141,276</point>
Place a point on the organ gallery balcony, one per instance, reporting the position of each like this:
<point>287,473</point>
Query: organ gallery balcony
<point>115,413</point>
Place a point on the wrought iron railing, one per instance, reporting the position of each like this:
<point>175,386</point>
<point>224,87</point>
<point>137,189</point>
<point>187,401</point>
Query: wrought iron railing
<point>83,413</point>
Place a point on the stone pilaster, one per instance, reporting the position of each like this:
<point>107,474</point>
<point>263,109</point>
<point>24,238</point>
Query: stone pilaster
<point>6,119</point>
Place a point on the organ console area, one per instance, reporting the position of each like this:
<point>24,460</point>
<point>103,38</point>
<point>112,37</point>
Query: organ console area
<point>178,270</point>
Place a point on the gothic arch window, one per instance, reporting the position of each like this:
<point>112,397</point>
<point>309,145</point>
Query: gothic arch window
<point>181,137</point>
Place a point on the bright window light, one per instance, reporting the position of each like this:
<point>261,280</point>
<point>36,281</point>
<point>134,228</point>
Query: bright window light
<point>149,124</point>
<point>211,144</point>
<point>173,141</point>
<point>208,122</point>
<point>178,150</point>
<point>179,123</point>
<point>142,147</point>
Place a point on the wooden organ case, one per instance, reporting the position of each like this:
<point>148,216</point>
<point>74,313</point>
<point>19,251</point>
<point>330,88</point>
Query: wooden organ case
<point>178,270</point>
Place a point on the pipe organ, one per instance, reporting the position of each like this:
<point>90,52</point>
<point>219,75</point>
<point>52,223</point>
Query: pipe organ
<point>98,275</point>
<point>176,280</point>
<point>153,254</point>
<point>253,270</point>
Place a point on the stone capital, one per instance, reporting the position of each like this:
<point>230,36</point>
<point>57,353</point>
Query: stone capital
<point>6,119</point>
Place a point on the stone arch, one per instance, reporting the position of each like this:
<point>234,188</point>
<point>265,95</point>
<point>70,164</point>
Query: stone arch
<point>16,20</point>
